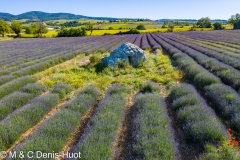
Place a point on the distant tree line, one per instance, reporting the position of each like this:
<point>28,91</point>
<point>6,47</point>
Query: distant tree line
<point>131,31</point>
<point>37,28</point>
<point>204,23</point>
<point>76,32</point>
<point>128,20</point>
<point>72,32</point>
<point>72,24</point>
<point>169,24</point>
<point>207,23</point>
<point>15,27</point>
<point>235,21</point>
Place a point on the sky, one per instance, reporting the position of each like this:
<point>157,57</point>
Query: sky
<point>152,9</point>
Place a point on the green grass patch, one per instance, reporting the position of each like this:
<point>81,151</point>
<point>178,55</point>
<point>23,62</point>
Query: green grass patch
<point>157,69</point>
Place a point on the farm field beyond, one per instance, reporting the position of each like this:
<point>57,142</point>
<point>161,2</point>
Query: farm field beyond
<point>183,103</point>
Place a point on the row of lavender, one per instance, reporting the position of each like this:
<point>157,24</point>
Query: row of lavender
<point>100,132</point>
<point>151,122</point>
<point>224,99</point>
<point>86,47</point>
<point>82,46</point>
<point>18,122</point>
<point>223,66</point>
<point>227,36</point>
<point>19,51</point>
<point>36,48</point>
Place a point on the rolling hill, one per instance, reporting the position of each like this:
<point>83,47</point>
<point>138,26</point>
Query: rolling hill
<point>37,15</point>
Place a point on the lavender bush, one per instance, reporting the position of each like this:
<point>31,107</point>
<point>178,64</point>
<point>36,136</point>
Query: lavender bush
<point>101,131</point>
<point>199,122</point>
<point>145,45</point>
<point>19,122</point>
<point>14,85</point>
<point>19,98</point>
<point>6,78</point>
<point>153,136</point>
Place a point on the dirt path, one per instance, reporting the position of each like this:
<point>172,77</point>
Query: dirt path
<point>45,118</point>
<point>122,145</point>
<point>79,130</point>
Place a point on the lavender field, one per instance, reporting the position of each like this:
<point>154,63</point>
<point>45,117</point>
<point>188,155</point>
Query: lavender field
<point>181,104</point>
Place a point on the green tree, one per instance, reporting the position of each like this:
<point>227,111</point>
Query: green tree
<point>4,28</point>
<point>72,32</point>
<point>141,27</point>
<point>34,29</point>
<point>171,28</point>
<point>218,26</point>
<point>204,23</point>
<point>110,28</point>
<point>193,28</point>
<point>165,23</point>
<point>29,30</point>
<point>235,21</point>
<point>16,27</point>
<point>131,31</point>
<point>89,27</point>
<point>164,26</point>
<point>38,29</point>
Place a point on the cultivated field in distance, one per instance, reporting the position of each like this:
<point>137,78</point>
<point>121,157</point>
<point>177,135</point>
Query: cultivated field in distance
<point>183,103</point>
